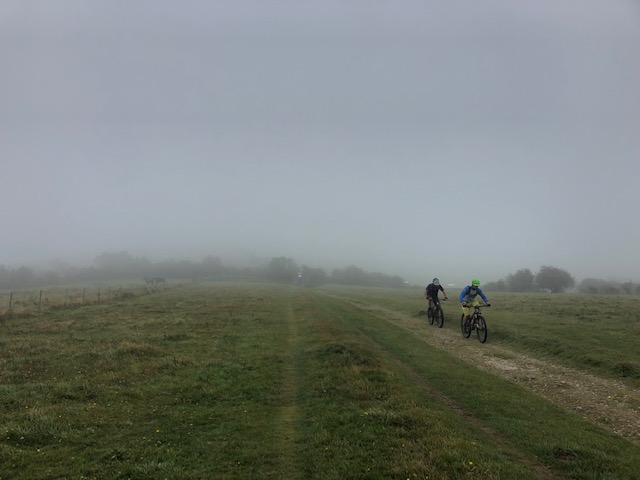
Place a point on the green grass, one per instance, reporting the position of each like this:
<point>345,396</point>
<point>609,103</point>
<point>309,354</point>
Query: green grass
<point>515,417</point>
<point>595,333</point>
<point>232,381</point>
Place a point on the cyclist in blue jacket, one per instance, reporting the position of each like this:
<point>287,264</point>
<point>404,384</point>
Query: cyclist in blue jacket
<point>468,298</point>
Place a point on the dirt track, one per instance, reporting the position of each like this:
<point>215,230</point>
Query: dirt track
<point>606,402</point>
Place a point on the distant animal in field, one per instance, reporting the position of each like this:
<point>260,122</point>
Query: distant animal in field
<point>153,281</point>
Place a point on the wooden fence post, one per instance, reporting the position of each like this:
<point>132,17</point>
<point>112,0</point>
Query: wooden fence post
<point>98,294</point>
<point>10,302</point>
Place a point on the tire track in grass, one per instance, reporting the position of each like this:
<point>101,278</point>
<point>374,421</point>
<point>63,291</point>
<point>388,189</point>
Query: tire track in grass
<point>608,403</point>
<point>286,435</point>
<point>414,378</point>
<point>529,461</point>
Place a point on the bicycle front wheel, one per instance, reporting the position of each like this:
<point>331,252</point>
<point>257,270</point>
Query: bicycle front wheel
<point>465,327</point>
<point>430,315</point>
<point>481,329</point>
<point>439,314</point>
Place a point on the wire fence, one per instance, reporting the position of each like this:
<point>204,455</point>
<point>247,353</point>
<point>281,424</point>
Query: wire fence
<point>23,302</point>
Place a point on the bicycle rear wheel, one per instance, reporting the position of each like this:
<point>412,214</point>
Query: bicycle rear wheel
<point>465,327</point>
<point>439,314</point>
<point>481,329</point>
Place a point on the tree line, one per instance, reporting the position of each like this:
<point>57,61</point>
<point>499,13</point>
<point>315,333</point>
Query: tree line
<point>286,270</point>
<point>605,287</point>
<point>548,278</point>
<point>557,280</point>
<point>121,265</point>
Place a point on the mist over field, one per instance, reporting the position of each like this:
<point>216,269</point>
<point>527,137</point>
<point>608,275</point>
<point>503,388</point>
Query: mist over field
<point>420,139</point>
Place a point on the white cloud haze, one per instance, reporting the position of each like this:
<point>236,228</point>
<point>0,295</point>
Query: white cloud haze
<point>451,139</point>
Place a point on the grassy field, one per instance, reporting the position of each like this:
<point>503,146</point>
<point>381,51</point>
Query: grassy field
<point>596,333</point>
<point>228,381</point>
<point>31,301</point>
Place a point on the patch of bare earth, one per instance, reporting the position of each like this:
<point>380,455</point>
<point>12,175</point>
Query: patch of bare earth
<point>605,402</point>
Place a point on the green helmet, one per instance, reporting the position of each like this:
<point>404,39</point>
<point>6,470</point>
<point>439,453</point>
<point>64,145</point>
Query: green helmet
<point>475,282</point>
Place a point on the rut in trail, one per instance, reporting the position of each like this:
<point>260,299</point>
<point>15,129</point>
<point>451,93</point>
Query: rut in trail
<point>608,403</point>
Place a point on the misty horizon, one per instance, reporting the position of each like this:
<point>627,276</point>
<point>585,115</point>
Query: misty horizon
<point>256,262</point>
<point>450,140</point>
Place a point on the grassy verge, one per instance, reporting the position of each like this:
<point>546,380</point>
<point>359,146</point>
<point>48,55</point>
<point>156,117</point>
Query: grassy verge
<point>509,414</point>
<point>363,417</point>
<point>595,333</point>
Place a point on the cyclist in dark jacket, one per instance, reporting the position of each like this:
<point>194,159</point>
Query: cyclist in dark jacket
<point>431,292</point>
<point>468,297</point>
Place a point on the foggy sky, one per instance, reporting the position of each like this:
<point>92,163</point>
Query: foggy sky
<point>418,138</point>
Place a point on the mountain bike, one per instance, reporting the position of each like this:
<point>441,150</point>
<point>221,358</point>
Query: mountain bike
<point>435,314</point>
<point>476,322</point>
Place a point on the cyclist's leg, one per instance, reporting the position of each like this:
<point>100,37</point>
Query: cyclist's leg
<point>466,311</point>
<point>474,304</point>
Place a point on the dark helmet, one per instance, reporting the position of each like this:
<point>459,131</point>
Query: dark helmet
<point>436,281</point>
